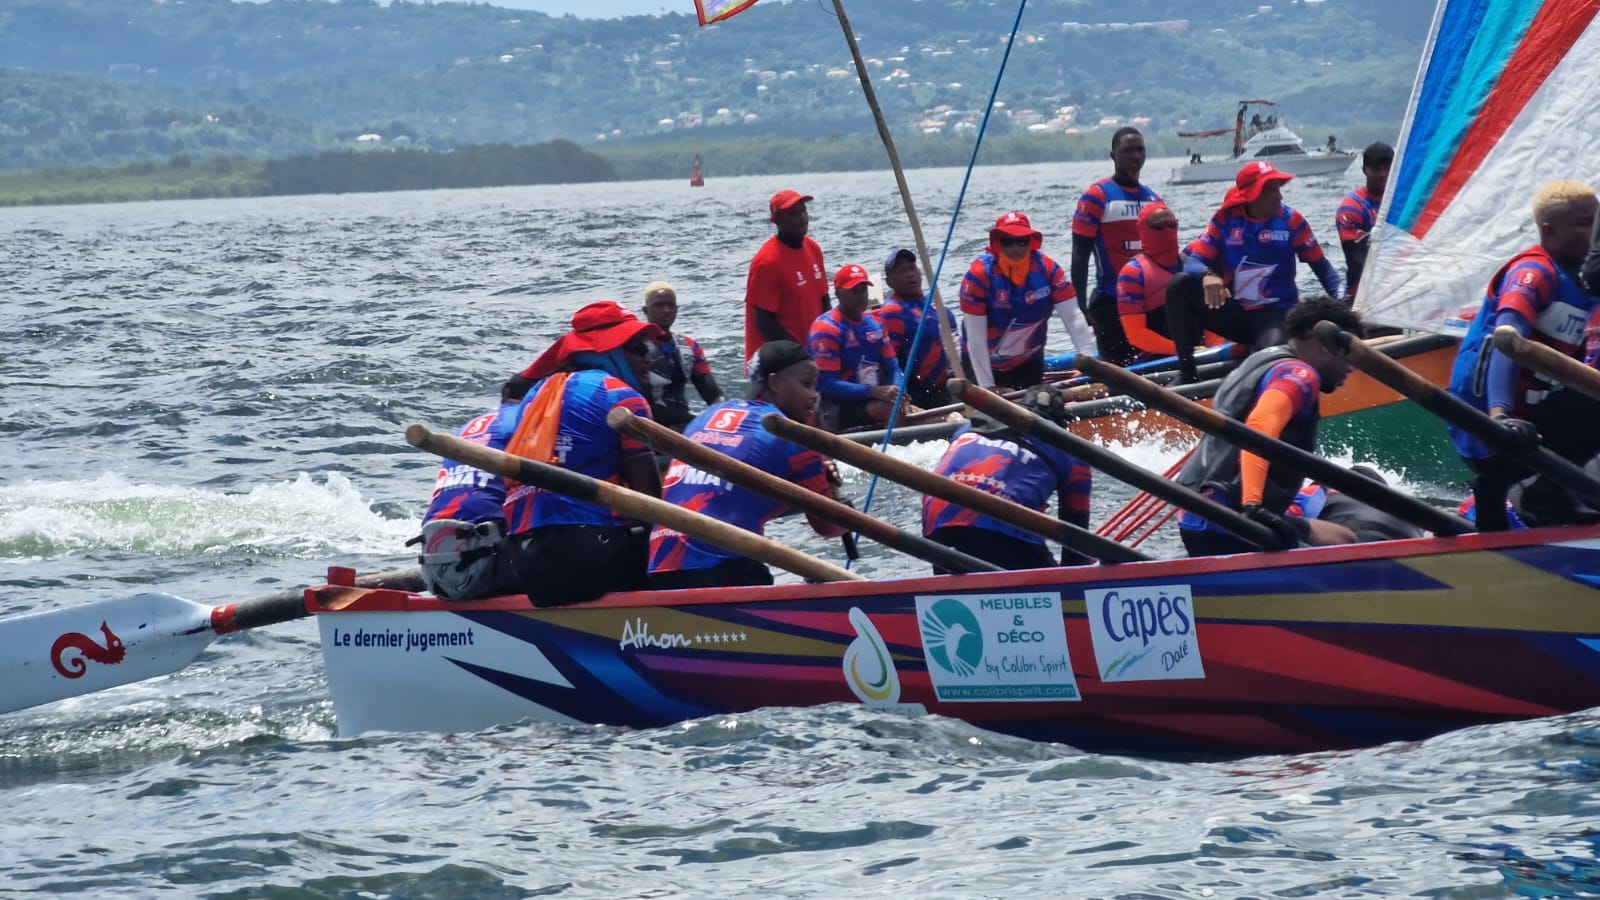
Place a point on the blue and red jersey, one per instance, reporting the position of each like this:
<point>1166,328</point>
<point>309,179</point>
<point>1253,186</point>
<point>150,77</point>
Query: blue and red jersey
<point>1559,311</point>
<point>584,444</point>
<point>1357,213</point>
<point>852,357</point>
<point>1298,381</point>
<point>1018,316</point>
<point>899,317</point>
<point>466,494</point>
<point>1257,257</point>
<point>1109,214</point>
<point>667,350</point>
<point>1026,473</point>
<point>732,427</point>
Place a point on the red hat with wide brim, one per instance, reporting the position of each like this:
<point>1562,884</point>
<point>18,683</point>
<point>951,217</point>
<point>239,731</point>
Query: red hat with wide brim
<point>1013,224</point>
<point>1251,180</point>
<point>600,327</point>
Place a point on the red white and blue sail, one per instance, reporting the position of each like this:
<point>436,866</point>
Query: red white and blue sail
<point>1507,98</point>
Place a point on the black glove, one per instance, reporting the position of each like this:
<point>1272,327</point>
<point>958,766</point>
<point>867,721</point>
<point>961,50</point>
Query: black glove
<point>1520,433</point>
<point>1284,535</point>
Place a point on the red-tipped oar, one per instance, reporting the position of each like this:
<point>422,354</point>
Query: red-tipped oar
<point>83,649</point>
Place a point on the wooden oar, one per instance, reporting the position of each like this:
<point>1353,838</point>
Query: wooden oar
<point>1546,361</point>
<point>933,484</point>
<point>1458,412</point>
<point>628,503</point>
<point>1375,494</point>
<point>1029,422</point>
<point>94,646</point>
<point>768,485</point>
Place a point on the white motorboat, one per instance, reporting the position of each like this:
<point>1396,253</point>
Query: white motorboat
<point>1259,138</point>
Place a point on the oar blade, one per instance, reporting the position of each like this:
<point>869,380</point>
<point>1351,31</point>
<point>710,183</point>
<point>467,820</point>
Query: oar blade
<point>68,652</point>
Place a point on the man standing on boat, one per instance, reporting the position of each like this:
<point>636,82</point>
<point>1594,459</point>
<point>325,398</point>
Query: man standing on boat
<point>564,550</point>
<point>1537,292</point>
<point>669,402</point>
<point>1274,391</point>
<point>1104,226</point>
<point>1358,212</point>
<point>1007,296</point>
<point>925,365</point>
<point>1239,278</point>
<point>787,286</point>
<point>784,379</point>
<point>1142,286</point>
<point>996,459</point>
<point>858,370</point>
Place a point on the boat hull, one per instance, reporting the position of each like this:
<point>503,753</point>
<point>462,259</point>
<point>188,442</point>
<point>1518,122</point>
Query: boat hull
<point>1293,163</point>
<point>1311,650</point>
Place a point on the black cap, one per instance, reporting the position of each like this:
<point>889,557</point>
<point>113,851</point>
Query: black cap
<point>894,259</point>
<point>774,356</point>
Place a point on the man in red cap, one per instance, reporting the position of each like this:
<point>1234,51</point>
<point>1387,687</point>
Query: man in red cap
<point>1142,286</point>
<point>563,550</point>
<point>787,287</point>
<point>1239,279</point>
<point>857,368</point>
<point>1007,296</point>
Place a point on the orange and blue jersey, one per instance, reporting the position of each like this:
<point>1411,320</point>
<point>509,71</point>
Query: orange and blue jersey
<point>1357,212</point>
<point>1555,309</point>
<point>852,357</point>
<point>899,317</point>
<point>1021,471</point>
<point>1295,379</point>
<point>584,443</point>
<point>1108,213</point>
<point>1018,316</point>
<point>732,427</point>
<point>1141,290</point>
<point>1257,257</point>
<point>466,494</point>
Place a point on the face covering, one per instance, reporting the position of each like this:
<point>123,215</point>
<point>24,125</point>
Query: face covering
<point>1162,245</point>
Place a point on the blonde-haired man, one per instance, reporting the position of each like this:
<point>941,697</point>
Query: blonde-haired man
<point>1538,293</point>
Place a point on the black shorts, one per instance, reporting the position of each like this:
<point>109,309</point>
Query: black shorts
<point>562,564</point>
<point>1003,550</point>
<point>735,572</point>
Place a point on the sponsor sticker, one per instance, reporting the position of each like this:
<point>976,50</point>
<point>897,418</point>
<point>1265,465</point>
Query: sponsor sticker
<point>996,647</point>
<point>1144,632</point>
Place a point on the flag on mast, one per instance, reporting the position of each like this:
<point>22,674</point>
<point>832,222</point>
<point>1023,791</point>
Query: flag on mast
<point>716,10</point>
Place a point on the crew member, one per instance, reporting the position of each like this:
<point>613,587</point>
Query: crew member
<point>669,374</point>
<point>1104,227</point>
<point>857,363</point>
<point>1273,391</point>
<point>784,379</point>
<point>787,286</point>
<point>1358,211</point>
<point>1007,296</point>
<point>998,460</point>
<point>925,364</point>
<point>465,523</point>
<point>564,550</point>
<point>1142,286</point>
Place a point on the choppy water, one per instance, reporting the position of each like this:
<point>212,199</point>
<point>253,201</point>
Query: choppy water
<point>207,398</point>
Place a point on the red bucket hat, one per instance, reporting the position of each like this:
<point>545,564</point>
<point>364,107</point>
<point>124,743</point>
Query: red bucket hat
<point>1252,179</point>
<point>600,327</point>
<point>1013,224</point>
<point>782,200</point>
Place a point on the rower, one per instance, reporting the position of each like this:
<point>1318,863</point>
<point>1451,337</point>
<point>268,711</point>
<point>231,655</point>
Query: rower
<point>855,359</point>
<point>784,379</point>
<point>465,523</point>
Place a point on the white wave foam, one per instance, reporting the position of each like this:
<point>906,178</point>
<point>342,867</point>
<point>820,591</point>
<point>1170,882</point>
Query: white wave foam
<point>307,517</point>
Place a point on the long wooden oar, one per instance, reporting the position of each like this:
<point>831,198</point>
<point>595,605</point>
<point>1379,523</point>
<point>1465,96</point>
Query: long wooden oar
<point>1375,494</point>
<point>83,649</point>
<point>1458,412</point>
<point>1546,361</point>
<point>933,484</point>
<point>747,476</point>
<point>629,503</point>
<point>1029,422</point>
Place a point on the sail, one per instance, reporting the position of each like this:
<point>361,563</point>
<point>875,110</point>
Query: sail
<point>1507,98</point>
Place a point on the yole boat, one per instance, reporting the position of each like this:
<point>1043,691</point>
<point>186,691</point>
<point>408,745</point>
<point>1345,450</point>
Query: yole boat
<point>1308,650</point>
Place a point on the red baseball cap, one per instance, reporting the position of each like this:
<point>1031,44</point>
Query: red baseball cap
<point>1252,179</point>
<point>600,327</point>
<point>850,276</point>
<point>782,200</point>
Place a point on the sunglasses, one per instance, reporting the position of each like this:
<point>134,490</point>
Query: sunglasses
<point>1015,241</point>
<point>1161,226</point>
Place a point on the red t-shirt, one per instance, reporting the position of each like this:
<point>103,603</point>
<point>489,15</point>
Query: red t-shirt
<point>791,284</point>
